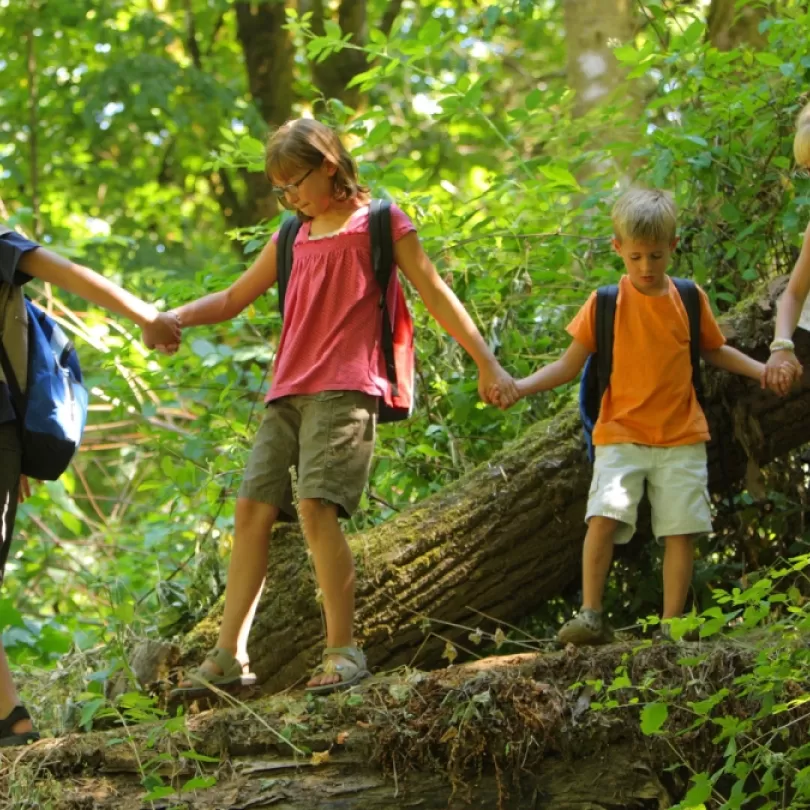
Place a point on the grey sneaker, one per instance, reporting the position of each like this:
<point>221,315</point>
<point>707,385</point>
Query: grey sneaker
<point>665,634</point>
<point>587,627</point>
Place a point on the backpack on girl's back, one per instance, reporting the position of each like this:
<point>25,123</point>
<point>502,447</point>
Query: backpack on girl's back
<point>333,377</point>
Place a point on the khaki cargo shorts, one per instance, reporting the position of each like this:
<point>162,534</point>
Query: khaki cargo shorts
<point>329,439</point>
<point>677,487</point>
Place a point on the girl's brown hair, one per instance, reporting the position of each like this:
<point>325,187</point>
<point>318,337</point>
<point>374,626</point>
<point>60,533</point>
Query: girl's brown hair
<point>304,144</point>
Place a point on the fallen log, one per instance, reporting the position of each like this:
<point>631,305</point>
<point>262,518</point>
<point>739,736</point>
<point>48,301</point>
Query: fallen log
<point>503,539</point>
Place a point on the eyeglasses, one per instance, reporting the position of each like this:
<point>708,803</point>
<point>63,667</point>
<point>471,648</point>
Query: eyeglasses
<point>292,188</point>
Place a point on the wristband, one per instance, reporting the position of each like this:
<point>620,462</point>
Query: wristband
<point>781,345</point>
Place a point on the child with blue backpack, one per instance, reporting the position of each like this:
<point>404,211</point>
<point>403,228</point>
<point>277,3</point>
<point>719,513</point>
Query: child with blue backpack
<point>650,427</point>
<point>21,326</point>
<point>339,363</point>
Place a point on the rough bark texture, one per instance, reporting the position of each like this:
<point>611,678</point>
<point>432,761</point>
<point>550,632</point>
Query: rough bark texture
<point>511,732</point>
<point>731,24</point>
<point>502,540</point>
<point>592,29</point>
<point>334,73</point>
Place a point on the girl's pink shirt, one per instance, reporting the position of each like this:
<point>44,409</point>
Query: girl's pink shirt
<point>330,340</point>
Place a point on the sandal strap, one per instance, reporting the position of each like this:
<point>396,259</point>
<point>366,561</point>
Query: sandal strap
<point>14,716</point>
<point>227,662</point>
<point>353,654</point>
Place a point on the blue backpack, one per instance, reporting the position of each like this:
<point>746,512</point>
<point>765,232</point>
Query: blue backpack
<point>52,411</point>
<point>599,366</point>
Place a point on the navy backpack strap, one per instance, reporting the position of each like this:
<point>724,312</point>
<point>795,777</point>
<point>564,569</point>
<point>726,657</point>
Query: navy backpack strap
<point>605,317</point>
<point>691,300</point>
<point>284,257</point>
<point>382,259</point>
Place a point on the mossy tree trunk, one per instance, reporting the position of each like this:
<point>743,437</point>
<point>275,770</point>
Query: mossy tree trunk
<point>502,540</point>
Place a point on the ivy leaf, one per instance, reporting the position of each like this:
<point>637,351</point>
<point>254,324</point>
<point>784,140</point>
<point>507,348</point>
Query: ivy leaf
<point>653,716</point>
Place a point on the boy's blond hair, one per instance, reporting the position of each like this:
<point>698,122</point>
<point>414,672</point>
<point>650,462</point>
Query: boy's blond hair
<point>647,215</point>
<point>801,141</point>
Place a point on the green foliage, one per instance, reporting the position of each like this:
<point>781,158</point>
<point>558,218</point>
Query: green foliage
<point>465,117</point>
<point>740,744</point>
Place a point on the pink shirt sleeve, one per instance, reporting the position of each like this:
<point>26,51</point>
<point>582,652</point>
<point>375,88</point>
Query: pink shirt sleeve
<point>401,224</point>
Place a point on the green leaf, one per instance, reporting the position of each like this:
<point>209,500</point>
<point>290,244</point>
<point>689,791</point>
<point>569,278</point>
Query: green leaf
<point>198,783</point>
<point>70,522</point>
<point>700,791</point>
<point>653,716</point>
<point>560,176</point>
<point>89,711</point>
<point>766,58</point>
<point>430,32</point>
<point>627,54</point>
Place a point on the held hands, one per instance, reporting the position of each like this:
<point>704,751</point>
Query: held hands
<point>497,388</point>
<point>162,333</point>
<point>781,372</point>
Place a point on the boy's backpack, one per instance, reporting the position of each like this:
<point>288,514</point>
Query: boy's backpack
<point>52,411</point>
<point>397,331</point>
<point>598,367</point>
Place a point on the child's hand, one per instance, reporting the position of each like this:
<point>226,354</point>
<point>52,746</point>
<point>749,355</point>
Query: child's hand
<point>496,397</point>
<point>780,379</point>
<point>494,379</point>
<point>163,333</point>
<point>780,372</point>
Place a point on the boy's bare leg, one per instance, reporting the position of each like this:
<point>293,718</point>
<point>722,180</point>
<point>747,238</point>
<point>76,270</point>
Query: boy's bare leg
<point>246,575</point>
<point>597,555</point>
<point>9,697</point>
<point>334,571</point>
<point>679,558</point>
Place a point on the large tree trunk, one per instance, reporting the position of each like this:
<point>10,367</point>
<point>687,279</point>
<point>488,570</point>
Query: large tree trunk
<point>731,23</point>
<point>511,733</point>
<point>592,30</point>
<point>502,540</point>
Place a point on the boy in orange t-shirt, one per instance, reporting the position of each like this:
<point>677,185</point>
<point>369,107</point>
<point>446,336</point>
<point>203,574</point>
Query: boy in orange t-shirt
<point>650,427</point>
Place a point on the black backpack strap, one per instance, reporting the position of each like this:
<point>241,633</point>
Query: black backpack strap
<point>606,298</point>
<point>382,260</point>
<point>18,399</point>
<point>284,257</point>
<point>691,300</point>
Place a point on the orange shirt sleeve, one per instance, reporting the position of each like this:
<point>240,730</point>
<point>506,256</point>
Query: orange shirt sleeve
<point>583,327</point>
<point>710,335</point>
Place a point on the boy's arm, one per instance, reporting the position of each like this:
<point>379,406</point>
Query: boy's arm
<point>730,359</point>
<point>226,304</point>
<point>557,373</point>
<point>158,328</point>
<point>442,304</point>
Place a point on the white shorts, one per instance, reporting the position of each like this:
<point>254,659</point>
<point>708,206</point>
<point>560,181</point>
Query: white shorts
<point>676,477</point>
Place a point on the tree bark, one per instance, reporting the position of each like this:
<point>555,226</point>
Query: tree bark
<point>731,24</point>
<point>502,540</point>
<point>592,30</point>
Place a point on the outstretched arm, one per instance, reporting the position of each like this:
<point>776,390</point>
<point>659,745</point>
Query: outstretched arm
<point>730,359</point>
<point>788,312</point>
<point>444,306</point>
<point>157,328</point>
<point>226,304</point>
<point>557,373</point>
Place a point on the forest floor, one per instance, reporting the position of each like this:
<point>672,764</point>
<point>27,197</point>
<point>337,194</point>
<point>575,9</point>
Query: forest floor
<point>554,730</point>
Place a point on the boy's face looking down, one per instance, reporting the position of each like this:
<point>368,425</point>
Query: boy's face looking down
<point>646,263</point>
